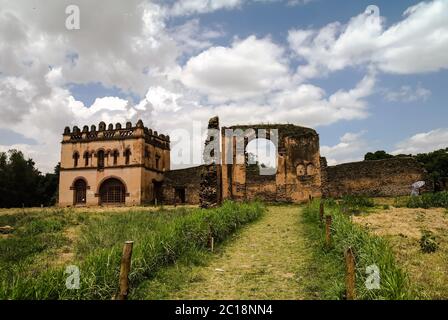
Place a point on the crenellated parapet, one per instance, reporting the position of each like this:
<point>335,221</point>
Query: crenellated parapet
<point>115,132</point>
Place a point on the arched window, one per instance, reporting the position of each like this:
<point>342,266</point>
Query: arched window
<point>300,170</point>
<point>112,191</point>
<point>115,156</point>
<point>80,188</point>
<point>100,156</point>
<point>86,158</point>
<point>157,161</point>
<point>310,169</point>
<point>75,159</point>
<point>127,156</point>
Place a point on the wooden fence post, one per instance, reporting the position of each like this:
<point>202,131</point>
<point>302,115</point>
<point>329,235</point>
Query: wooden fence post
<point>328,221</point>
<point>211,240</point>
<point>321,211</point>
<point>125,268</point>
<point>350,279</point>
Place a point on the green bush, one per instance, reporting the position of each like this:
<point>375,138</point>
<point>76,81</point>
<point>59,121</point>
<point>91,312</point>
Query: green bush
<point>369,250</point>
<point>429,200</point>
<point>157,244</point>
<point>428,242</point>
<point>357,202</point>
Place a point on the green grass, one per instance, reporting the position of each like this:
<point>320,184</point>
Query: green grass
<point>161,238</point>
<point>33,234</point>
<point>368,249</point>
<point>264,260</point>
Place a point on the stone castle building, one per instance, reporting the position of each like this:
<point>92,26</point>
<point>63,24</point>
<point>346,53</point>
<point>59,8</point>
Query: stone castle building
<point>131,166</point>
<point>112,165</point>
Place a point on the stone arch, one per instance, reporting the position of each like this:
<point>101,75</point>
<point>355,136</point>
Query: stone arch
<point>86,156</point>
<point>112,190</point>
<point>264,152</point>
<point>79,187</point>
<point>101,158</point>
<point>76,157</point>
<point>115,154</point>
<point>127,155</point>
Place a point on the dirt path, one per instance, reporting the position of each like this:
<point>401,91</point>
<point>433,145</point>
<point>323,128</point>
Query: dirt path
<point>266,260</point>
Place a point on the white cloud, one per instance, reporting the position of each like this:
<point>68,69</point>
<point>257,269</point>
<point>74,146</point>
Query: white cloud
<point>351,147</point>
<point>130,47</point>
<point>424,142</point>
<point>408,94</point>
<point>187,7</point>
<point>249,68</point>
<point>416,44</point>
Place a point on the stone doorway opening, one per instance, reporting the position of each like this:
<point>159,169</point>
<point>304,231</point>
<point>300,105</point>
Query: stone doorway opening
<point>179,195</point>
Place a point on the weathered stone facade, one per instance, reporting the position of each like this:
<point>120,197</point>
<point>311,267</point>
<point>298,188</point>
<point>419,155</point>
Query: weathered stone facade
<point>131,166</point>
<point>112,165</point>
<point>379,178</point>
<point>183,186</point>
<point>298,173</point>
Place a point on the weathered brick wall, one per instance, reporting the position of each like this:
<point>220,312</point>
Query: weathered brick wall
<point>391,177</point>
<point>298,173</point>
<point>189,178</point>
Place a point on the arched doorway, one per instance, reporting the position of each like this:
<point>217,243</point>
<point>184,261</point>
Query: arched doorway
<point>80,192</point>
<point>112,191</point>
<point>262,153</point>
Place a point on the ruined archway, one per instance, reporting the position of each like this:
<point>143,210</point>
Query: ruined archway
<point>262,153</point>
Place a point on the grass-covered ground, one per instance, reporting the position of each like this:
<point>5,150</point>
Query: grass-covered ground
<point>403,228</point>
<point>278,253</point>
<point>268,259</point>
<point>34,256</point>
<point>369,250</point>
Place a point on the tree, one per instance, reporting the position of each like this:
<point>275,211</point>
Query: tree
<point>435,163</point>
<point>21,184</point>
<point>378,155</point>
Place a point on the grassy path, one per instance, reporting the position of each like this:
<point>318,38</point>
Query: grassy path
<point>266,260</point>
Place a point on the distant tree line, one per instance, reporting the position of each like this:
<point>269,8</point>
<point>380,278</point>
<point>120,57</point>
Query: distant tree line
<point>21,183</point>
<point>435,163</point>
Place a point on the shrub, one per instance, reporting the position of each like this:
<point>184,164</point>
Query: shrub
<point>428,242</point>
<point>429,200</point>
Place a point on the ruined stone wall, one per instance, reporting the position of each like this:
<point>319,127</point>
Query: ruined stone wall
<point>210,194</point>
<point>380,178</point>
<point>188,179</point>
<point>298,173</point>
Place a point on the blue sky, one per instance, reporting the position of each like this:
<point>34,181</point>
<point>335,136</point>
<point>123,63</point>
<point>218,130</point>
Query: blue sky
<point>364,84</point>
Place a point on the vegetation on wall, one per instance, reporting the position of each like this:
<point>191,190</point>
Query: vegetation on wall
<point>435,163</point>
<point>22,185</point>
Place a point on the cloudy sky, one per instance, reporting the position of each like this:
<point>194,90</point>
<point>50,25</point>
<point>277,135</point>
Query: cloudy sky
<point>364,79</point>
